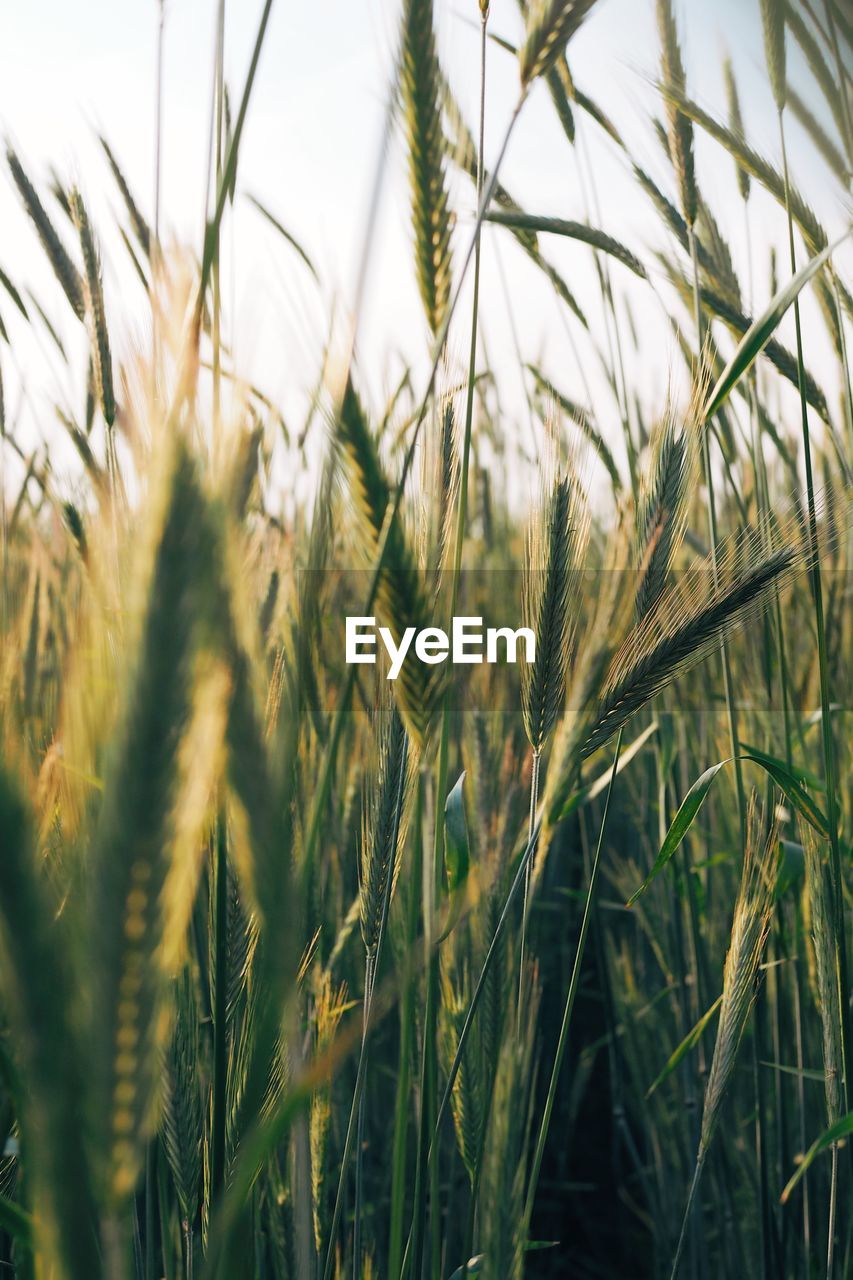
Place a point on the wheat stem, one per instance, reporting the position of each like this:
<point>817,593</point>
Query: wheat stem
<point>429,1057</point>
<point>714,539</point>
<point>688,1215</point>
<point>823,665</point>
<point>359,1142</point>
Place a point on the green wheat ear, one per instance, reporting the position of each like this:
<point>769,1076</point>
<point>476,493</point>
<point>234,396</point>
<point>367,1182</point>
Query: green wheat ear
<point>402,598</point>
<point>183,1118</point>
<point>64,269</point>
<point>133,839</point>
<point>662,508</point>
<point>420,81</point>
<point>383,831</point>
<point>555,548</point>
<point>38,990</point>
<point>140,227</point>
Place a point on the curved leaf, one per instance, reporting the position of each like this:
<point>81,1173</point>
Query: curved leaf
<point>798,796</point>
<point>833,1134</point>
<point>686,1045</point>
<point>761,330</point>
<point>681,823</point>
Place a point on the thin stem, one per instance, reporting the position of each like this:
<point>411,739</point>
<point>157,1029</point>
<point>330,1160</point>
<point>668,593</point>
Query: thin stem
<point>823,664</point>
<point>714,540</point>
<point>392,511</point>
<point>525,908</point>
<point>688,1213</point>
<point>359,1145</point>
<point>825,707</point>
<point>220,996</point>
<point>407,1023</point>
<point>570,999</point>
<point>833,1202</point>
<point>150,1175</point>
<point>158,121</point>
<point>158,177</point>
<point>429,1062</point>
<point>219,104</point>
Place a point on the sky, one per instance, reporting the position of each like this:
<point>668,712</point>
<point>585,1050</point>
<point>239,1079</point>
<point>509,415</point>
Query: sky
<point>310,152</point>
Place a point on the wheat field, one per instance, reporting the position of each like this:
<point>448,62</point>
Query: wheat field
<point>499,970</point>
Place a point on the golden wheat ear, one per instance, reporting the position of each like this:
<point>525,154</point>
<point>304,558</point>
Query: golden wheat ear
<point>688,622</point>
<point>441,488</point>
<point>329,1005</point>
<point>823,941</point>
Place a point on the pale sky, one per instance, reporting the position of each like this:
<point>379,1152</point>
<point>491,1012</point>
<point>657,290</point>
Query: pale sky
<point>310,151</point>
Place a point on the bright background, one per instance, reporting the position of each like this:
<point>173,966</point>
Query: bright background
<point>310,152</point>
